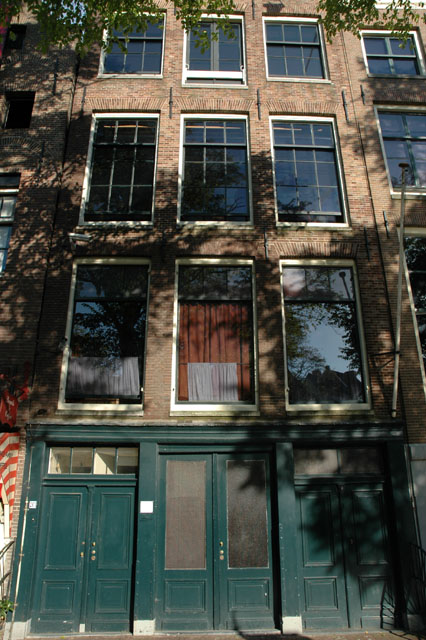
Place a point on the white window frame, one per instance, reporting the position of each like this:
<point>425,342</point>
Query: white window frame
<point>383,4</point>
<point>340,174</point>
<point>240,77</point>
<point>185,408</point>
<point>308,21</point>
<point>419,192</point>
<point>94,407</point>
<point>101,73</point>
<point>415,232</point>
<point>384,34</point>
<point>220,223</point>
<point>328,408</point>
<point>8,221</point>
<point>87,173</point>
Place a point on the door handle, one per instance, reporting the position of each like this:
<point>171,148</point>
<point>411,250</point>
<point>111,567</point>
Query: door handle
<point>221,551</point>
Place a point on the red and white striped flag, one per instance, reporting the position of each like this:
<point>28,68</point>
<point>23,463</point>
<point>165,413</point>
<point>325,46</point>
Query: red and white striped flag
<point>9,449</point>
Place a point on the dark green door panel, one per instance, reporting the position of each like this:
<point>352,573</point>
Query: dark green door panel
<point>344,555</point>
<point>215,566</point>
<point>321,561</point>
<point>244,576</point>
<point>84,572</point>
<point>369,575</point>
<point>185,588</point>
<point>60,569</point>
<point>110,563</point>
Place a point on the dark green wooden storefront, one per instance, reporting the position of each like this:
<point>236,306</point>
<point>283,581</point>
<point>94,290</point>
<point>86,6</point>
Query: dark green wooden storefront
<point>213,531</point>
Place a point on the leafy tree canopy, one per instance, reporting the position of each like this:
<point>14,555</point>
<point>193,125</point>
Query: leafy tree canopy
<point>398,16</point>
<point>84,22</point>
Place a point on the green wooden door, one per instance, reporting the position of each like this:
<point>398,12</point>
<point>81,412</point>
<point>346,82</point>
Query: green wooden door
<point>84,569</point>
<point>344,555</point>
<point>215,568</point>
<point>110,560</point>
<point>367,550</point>
<point>59,580</point>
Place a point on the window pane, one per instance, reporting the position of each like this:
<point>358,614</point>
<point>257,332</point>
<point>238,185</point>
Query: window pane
<point>142,51</point>
<point>81,460</point>
<point>407,67</point>
<point>418,287</point>
<point>416,125</point>
<point>276,62</point>
<point>60,460</point>
<point>309,33</point>
<point>305,177</point>
<point>375,45</point>
<point>215,338</point>
<point>104,463</point>
<point>315,462</point>
<point>274,32</point>
<point>379,65</point>
<point>323,354</point>
<point>399,47</point>
<point>126,130</point>
<point>291,33</point>
<point>247,514</point>
<point>415,253</point>
<point>121,150</point>
<point>294,59</point>
<point>4,237</point>
<point>392,124</point>
<point>185,515</point>
<point>108,334</point>
<point>127,460</point>
<point>7,206</point>
<point>421,322</point>
<point>367,460</point>
<point>323,351</point>
<point>213,170</point>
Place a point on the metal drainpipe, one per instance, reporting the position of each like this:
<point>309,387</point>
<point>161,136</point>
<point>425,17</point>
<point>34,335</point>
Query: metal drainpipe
<point>404,166</point>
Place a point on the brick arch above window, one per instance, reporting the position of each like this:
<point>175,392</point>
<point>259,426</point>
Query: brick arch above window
<point>314,249</point>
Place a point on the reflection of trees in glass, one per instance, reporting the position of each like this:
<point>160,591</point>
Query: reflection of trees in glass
<point>322,341</point>
<point>215,170</point>
<point>415,255</point>
<point>110,312</point>
<point>109,329</point>
<point>315,376</point>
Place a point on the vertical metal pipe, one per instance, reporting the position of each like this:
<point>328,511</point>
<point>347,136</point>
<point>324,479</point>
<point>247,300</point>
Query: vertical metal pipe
<point>171,103</point>
<point>404,166</point>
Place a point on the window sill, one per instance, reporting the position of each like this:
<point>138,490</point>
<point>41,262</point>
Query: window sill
<point>71,408</point>
<point>321,409</point>
<point>409,195</point>
<point>126,76</point>
<point>212,223</point>
<point>344,226</point>
<point>291,79</point>
<point>111,223</point>
<point>214,410</point>
<point>396,76</point>
<point>212,85</point>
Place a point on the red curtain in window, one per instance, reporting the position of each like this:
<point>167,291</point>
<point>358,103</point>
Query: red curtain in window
<point>216,333</point>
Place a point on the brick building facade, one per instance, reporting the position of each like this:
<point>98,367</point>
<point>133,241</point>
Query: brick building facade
<point>209,310</point>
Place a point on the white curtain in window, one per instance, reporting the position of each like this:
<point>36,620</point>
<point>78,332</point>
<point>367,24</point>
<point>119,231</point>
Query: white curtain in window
<point>114,377</point>
<point>212,382</point>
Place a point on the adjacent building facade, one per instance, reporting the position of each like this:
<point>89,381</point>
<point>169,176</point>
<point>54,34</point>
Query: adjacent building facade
<point>200,266</point>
